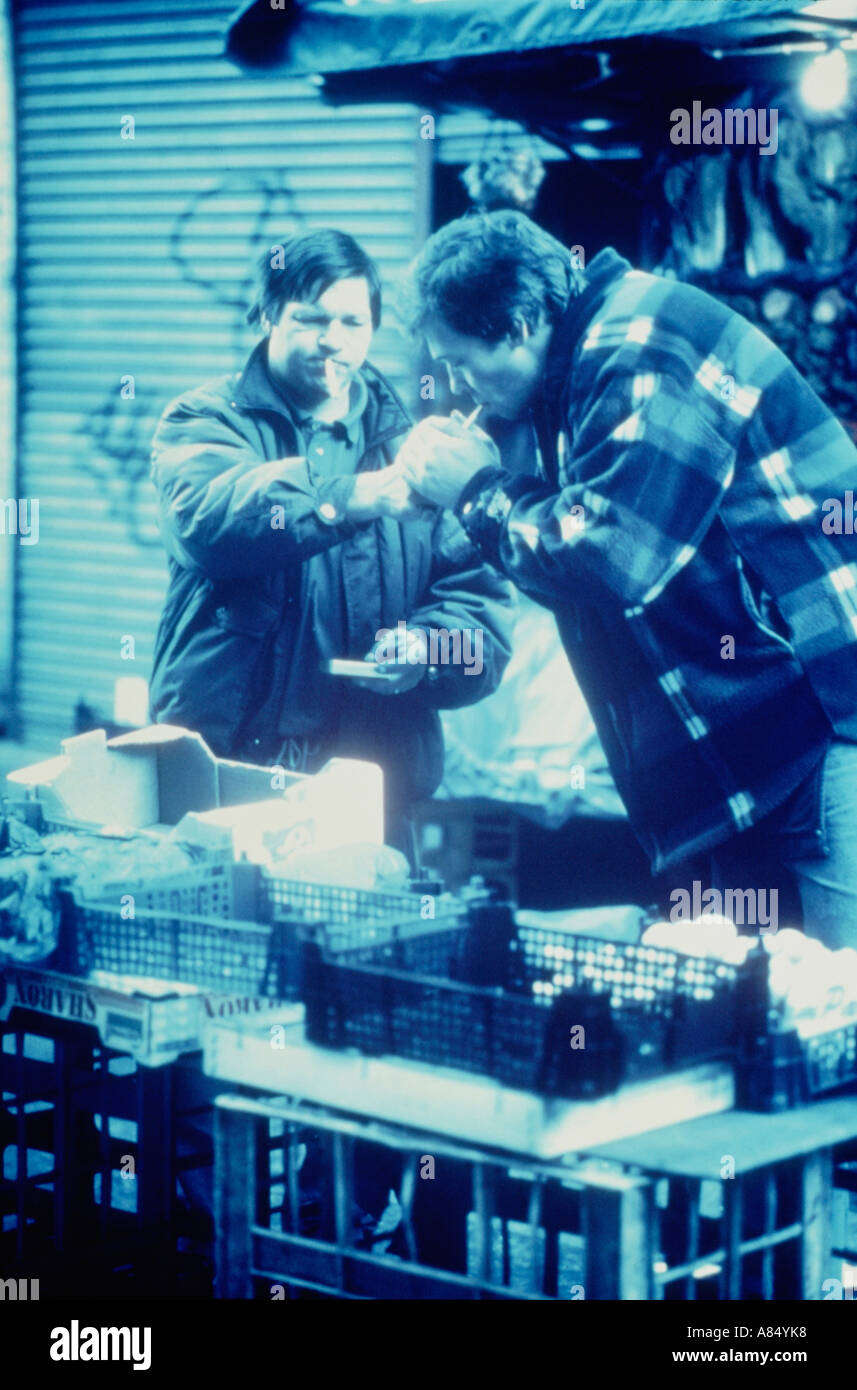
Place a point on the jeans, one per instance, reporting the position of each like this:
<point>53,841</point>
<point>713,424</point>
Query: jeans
<point>827,879</point>
<point>807,849</point>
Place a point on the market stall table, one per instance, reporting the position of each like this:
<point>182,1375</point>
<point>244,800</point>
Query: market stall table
<point>760,1230</point>
<point>751,1147</point>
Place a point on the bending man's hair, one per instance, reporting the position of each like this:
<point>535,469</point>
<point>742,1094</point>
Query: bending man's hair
<point>481,272</point>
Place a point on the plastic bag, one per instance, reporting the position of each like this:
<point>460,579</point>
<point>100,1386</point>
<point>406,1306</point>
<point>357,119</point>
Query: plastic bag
<point>29,908</point>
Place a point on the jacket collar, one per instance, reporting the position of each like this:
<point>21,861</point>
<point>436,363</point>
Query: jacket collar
<point>601,273</point>
<point>255,390</point>
<point>348,425</point>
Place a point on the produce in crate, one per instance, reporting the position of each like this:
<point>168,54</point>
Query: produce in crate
<point>370,867</point>
<point>711,936</point>
<point>29,908</point>
<point>808,982</point>
<point>102,865</point>
<point>33,867</point>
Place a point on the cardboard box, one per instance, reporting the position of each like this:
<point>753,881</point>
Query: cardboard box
<point>343,804</point>
<point>149,777</point>
<point>153,1021</point>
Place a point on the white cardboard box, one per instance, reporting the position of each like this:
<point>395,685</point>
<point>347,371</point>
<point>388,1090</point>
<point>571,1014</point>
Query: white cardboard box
<point>163,775</point>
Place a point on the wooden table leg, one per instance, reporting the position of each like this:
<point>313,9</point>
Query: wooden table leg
<point>484,1207</point>
<point>156,1177</point>
<point>234,1201</point>
<point>733,1221</point>
<point>618,1226</point>
<point>343,1203</point>
<point>816,1194</point>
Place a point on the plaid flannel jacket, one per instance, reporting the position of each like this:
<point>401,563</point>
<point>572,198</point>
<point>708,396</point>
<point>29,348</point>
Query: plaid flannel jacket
<point>678,531</point>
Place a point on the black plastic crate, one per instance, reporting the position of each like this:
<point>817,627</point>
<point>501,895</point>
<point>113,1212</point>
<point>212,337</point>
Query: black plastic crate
<point>380,1010</point>
<point>293,900</point>
<point>646,979</point>
<point>169,938</point>
<point>669,1009</point>
<point>778,1071</point>
<point>509,997</point>
<point>218,954</point>
<point>73,1113</point>
<point>436,947</point>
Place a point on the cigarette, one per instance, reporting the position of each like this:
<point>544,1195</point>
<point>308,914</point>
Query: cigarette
<point>465,424</point>
<point>330,377</point>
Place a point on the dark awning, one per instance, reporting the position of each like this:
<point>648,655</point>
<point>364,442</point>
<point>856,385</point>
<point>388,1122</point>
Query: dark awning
<point>542,63</point>
<point>337,36</point>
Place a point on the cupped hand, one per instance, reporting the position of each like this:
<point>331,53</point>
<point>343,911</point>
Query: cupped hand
<point>385,492</point>
<point>440,456</point>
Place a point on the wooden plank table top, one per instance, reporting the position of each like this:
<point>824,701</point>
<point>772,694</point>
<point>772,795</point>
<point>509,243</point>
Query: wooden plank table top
<point>467,1106</point>
<point>694,1148</point>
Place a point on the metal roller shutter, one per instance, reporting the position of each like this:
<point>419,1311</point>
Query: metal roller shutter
<point>8,481</point>
<point>134,255</point>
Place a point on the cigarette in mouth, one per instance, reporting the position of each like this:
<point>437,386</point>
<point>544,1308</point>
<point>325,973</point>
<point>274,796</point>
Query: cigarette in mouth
<point>330,377</point>
<point>465,424</point>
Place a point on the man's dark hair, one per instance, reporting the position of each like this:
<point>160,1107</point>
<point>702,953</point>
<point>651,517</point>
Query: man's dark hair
<point>303,267</point>
<point>482,271</point>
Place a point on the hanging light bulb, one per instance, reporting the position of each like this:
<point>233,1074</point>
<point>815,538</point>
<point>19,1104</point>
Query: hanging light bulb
<point>824,84</point>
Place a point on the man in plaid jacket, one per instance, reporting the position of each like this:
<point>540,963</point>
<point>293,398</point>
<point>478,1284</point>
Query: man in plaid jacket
<point>683,528</point>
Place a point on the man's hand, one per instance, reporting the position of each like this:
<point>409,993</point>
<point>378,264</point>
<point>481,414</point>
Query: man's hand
<point>404,653</point>
<point>440,456</point>
<point>385,492</point>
